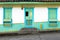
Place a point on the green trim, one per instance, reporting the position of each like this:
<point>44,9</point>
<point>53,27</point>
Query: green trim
<point>30,3</point>
<point>29,26</point>
<point>53,10</point>
<point>7,18</point>
<point>6,11</point>
<point>52,17</point>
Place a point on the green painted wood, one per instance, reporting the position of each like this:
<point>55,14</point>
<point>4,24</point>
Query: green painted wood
<point>30,3</point>
<point>7,17</point>
<point>7,13</point>
<point>29,18</point>
<point>52,13</point>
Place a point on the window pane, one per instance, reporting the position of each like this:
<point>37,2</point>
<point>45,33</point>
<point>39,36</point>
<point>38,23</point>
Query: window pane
<point>7,16</point>
<point>26,13</point>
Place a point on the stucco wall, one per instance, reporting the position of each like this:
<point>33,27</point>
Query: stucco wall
<point>17,15</point>
<point>40,14</point>
<point>58,15</point>
<point>1,15</point>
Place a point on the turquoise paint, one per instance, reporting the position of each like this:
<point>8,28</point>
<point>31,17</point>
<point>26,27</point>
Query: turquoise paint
<point>33,17</point>
<point>4,14</point>
<point>36,25</point>
<point>18,27</point>
<point>49,15</point>
<point>21,3</point>
<point>57,16</point>
<point>44,25</point>
<point>7,10</point>
<point>29,26</point>
<point>52,11</point>
<point>15,27</point>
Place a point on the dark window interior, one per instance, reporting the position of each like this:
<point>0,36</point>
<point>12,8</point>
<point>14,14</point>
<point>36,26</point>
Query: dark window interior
<point>52,21</point>
<point>26,13</point>
<point>26,0</point>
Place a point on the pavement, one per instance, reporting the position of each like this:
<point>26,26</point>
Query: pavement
<point>40,36</point>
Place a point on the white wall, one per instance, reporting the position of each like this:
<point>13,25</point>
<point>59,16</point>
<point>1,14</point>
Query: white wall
<point>40,14</point>
<point>1,15</point>
<point>17,15</point>
<point>58,14</point>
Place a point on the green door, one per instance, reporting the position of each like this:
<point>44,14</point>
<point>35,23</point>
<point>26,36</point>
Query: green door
<point>28,17</point>
<point>7,16</point>
<point>52,13</point>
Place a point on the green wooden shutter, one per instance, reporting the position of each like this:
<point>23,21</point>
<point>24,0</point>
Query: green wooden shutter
<point>52,17</point>
<point>52,13</point>
<point>7,13</point>
<point>7,17</point>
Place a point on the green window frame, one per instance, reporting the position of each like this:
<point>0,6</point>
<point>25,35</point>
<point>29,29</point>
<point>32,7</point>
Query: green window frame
<point>7,20</point>
<point>7,13</point>
<point>52,13</point>
<point>52,16</point>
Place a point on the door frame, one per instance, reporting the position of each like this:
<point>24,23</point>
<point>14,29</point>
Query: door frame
<point>32,17</point>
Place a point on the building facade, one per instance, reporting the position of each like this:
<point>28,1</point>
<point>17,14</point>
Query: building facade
<point>16,15</point>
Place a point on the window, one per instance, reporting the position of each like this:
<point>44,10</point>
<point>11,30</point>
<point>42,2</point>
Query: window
<point>52,13</point>
<point>7,13</point>
<point>26,13</point>
<point>52,16</point>
<point>7,16</point>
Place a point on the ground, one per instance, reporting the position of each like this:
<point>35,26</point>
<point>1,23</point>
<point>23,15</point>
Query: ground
<point>41,36</point>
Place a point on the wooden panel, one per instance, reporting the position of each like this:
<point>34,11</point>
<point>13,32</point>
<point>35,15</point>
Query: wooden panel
<point>7,13</point>
<point>7,17</point>
<point>52,13</point>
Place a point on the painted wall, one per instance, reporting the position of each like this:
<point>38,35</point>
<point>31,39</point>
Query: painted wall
<point>58,15</point>
<point>40,14</point>
<point>1,15</point>
<point>17,15</point>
